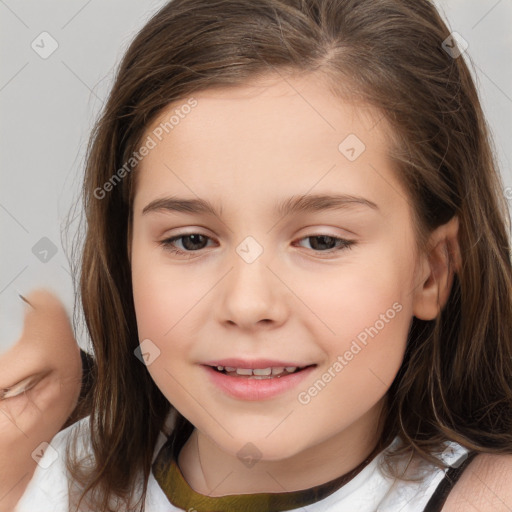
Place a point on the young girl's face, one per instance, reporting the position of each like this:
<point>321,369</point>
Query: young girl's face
<point>332,286</point>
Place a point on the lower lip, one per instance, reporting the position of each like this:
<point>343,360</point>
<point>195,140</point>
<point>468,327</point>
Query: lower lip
<point>245,388</point>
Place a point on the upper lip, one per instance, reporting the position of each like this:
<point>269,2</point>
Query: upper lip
<point>253,363</point>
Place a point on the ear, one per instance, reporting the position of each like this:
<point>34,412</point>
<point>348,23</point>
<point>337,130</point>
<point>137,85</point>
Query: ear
<point>436,270</point>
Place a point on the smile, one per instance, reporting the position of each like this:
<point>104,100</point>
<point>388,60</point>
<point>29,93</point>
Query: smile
<point>255,384</point>
<point>258,373</point>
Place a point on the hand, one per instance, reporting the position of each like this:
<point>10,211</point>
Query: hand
<point>40,380</point>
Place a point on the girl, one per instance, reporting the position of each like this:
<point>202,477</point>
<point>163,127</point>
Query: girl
<point>296,274</point>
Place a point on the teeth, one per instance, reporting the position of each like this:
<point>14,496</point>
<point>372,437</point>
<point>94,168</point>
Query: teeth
<point>265,371</point>
<point>258,372</point>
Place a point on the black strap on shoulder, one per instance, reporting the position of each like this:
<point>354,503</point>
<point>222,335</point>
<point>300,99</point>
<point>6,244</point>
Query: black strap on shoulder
<point>437,500</point>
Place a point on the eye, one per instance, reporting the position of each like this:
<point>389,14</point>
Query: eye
<point>190,243</point>
<point>327,243</point>
<point>194,242</point>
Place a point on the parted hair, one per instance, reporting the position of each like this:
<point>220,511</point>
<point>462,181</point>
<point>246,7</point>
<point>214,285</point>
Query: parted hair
<point>456,376</point>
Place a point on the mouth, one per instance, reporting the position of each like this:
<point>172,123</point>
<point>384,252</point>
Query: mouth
<point>270,372</point>
<point>265,379</point>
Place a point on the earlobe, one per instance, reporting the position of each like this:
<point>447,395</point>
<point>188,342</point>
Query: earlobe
<point>437,269</point>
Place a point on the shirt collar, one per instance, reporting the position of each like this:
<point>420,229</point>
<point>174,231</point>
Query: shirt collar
<point>177,490</point>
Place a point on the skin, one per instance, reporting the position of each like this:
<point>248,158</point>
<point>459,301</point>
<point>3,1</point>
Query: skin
<point>48,353</point>
<point>247,149</point>
<point>297,442</point>
<point>485,486</point>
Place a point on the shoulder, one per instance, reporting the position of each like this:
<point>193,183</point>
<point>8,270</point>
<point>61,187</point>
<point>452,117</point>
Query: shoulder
<point>48,488</point>
<point>485,485</point>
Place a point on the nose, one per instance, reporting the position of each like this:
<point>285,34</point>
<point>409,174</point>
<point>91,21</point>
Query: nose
<point>252,295</point>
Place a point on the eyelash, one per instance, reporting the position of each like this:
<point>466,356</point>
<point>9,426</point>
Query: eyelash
<point>167,244</point>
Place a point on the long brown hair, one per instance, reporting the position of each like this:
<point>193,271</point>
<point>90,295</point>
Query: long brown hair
<point>456,377</point>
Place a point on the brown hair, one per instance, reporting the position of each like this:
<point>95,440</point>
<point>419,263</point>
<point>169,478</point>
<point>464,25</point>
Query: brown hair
<point>456,377</point>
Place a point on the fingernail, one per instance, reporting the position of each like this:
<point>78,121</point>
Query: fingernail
<point>25,300</point>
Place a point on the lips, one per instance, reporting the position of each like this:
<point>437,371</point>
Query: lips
<point>257,387</point>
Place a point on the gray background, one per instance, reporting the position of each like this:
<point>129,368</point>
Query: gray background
<point>48,107</point>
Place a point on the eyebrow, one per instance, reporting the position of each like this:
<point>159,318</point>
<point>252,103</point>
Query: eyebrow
<point>292,205</point>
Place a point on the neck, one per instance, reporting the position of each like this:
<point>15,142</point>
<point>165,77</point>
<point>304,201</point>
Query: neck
<point>211,471</point>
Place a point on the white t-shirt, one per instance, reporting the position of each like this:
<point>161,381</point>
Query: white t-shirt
<point>369,491</point>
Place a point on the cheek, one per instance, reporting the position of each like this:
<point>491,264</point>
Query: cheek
<point>166,301</point>
<point>162,294</point>
<point>368,309</point>
<point>355,296</point>
<point>364,354</point>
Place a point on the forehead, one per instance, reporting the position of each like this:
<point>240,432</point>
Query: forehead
<point>269,134</point>
<point>268,104</point>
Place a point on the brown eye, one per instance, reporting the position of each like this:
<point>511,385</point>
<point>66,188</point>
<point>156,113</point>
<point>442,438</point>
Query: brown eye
<point>327,243</point>
<point>192,242</point>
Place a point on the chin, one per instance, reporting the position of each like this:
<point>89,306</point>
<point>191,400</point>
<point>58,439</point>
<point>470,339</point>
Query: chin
<point>247,447</point>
